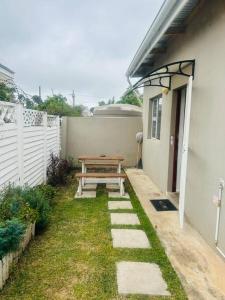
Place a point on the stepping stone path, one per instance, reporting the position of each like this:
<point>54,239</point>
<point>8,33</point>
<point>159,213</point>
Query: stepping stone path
<point>129,238</point>
<point>124,219</point>
<point>120,205</point>
<point>86,194</point>
<point>141,278</point>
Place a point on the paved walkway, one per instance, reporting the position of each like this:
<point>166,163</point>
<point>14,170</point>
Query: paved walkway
<point>200,269</point>
<point>133,277</point>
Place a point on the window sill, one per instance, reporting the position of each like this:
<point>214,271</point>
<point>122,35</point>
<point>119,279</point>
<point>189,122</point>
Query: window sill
<point>154,139</point>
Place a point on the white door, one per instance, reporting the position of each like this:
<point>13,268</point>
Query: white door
<point>184,157</point>
<point>180,137</point>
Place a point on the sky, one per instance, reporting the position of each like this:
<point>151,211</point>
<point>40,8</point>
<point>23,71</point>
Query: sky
<point>85,45</point>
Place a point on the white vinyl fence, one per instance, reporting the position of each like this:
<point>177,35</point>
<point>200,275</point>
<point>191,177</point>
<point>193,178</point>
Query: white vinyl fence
<point>27,138</point>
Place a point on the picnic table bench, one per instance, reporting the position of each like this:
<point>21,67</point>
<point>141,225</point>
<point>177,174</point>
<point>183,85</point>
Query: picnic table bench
<point>101,164</point>
<point>101,178</point>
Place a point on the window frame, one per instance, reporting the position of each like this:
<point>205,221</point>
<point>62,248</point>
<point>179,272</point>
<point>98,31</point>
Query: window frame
<point>156,114</point>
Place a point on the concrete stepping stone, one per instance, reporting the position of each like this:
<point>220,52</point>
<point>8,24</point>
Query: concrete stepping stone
<point>86,194</point>
<point>140,278</point>
<point>124,219</point>
<point>119,205</point>
<point>117,195</point>
<point>129,238</point>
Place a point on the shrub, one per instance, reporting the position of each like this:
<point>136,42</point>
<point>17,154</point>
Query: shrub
<point>58,170</point>
<point>14,206</point>
<point>21,206</point>
<point>47,191</point>
<point>11,232</point>
<point>35,198</point>
<point>27,205</point>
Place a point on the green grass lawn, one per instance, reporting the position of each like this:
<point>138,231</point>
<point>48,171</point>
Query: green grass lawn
<point>74,257</point>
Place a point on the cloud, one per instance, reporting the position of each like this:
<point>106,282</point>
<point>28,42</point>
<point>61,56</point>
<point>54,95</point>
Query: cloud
<point>72,44</point>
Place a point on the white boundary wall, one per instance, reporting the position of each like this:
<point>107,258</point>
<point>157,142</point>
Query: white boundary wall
<point>27,138</point>
<point>101,135</point>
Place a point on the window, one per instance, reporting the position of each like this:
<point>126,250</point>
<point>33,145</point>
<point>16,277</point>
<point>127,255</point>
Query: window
<point>156,117</point>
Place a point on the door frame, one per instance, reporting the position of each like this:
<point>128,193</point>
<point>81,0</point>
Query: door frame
<point>177,130</point>
<point>185,147</point>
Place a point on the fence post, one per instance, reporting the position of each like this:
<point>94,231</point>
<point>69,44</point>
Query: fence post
<point>58,135</point>
<point>64,137</point>
<point>45,158</point>
<point>20,143</point>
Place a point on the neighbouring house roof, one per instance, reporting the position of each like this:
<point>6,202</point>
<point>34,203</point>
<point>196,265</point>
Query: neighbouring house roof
<point>117,110</point>
<point>170,20</point>
<point>2,67</point>
<point>6,71</point>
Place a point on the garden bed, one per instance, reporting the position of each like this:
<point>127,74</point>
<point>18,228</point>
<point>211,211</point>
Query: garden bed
<point>11,258</point>
<point>22,212</point>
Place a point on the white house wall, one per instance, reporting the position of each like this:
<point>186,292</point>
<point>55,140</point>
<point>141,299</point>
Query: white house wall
<point>203,41</point>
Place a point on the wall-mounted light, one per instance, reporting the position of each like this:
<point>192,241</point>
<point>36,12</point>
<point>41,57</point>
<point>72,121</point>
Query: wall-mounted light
<point>165,91</point>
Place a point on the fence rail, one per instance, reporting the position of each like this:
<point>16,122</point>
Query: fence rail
<point>27,138</point>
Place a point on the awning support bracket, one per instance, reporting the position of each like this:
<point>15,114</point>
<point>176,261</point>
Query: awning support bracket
<point>162,76</point>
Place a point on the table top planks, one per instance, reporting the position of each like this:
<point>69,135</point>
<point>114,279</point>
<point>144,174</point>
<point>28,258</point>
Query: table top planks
<point>101,158</point>
<point>101,175</point>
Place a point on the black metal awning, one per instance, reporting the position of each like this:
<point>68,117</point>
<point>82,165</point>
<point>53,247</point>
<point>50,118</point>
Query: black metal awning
<point>162,76</point>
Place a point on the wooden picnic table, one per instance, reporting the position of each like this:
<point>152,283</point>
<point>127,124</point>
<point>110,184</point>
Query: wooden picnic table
<point>101,161</point>
<point>87,160</point>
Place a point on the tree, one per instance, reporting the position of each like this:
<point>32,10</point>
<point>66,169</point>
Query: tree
<point>110,101</point>
<point>57,105</point>
<point>92,109</point>
<point>6,92</point>
<point>37,99</point>
<point>130,98</point>
<point>27,102</point>
<point>101,103</point>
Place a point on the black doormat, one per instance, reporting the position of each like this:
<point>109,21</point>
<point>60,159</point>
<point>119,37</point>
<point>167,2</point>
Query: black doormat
<point>163,205</point>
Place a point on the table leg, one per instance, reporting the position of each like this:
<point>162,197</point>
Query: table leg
<point>121,188</point>
<point>119,168</point>
<point>80,187</point>
<point>83,171</point>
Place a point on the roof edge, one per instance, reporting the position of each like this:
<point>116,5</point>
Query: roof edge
<point>162,21</point>
<point>6,69</point>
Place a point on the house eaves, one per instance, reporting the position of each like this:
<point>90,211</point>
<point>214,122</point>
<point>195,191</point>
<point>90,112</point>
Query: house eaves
<point>170,20</point>
<point>6,70</point>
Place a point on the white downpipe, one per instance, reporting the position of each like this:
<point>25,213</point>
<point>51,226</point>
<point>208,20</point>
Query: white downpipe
<point>185,152</point>
<point>220,251</point>
<point>220,194</point>
<point>217,224</point>
<point>221,187</point>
